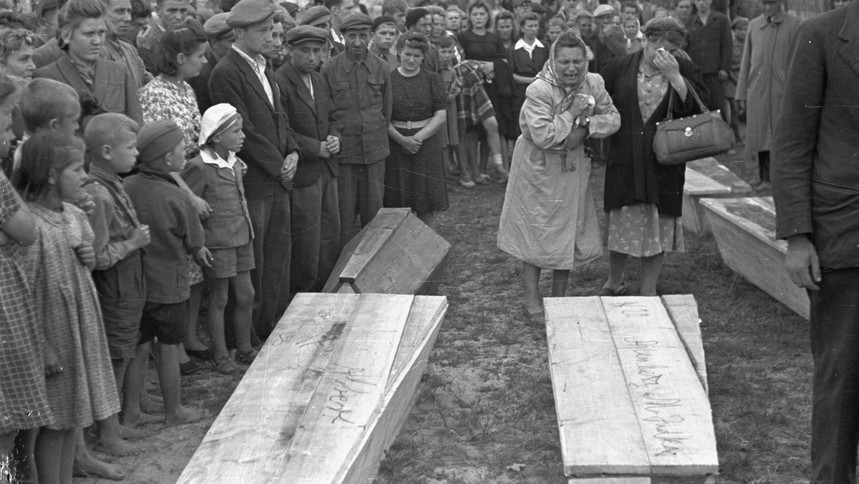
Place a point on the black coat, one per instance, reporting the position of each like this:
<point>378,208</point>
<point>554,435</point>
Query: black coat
<point>309,117</point>
<point>268,136</point>
<point>632,174</point>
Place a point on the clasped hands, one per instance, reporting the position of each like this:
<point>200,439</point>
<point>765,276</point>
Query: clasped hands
<point>329,146</point>
<point>287,171</point>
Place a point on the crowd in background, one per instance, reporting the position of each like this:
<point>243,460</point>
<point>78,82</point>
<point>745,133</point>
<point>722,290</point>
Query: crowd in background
<point>156,156</point>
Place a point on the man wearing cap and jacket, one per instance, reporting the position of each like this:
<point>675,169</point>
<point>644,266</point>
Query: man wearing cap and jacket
<point>221,38</point>
<point>360,87</point>
<point>315,209</point>
<point>242,78</point>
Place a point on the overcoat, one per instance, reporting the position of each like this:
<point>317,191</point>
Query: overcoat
<point>763,72</point>
<point>632,174</point>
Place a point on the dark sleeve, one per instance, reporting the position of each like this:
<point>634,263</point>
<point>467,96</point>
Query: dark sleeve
<point>795,138</point>
<point>258,150</point>
<point>727,45</point>
<point>439,97</point>
<point>694,81</point>
<point>388,96</point>
<point>132,102</point>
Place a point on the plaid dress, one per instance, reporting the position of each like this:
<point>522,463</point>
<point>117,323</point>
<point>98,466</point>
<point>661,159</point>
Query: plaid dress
<point>23,397</point>
<point>68,311</point>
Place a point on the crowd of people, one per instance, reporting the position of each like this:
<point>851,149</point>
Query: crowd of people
<point>159,156</point>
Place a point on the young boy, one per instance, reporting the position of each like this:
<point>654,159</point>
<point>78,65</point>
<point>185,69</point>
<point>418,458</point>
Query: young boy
<point>175,231</point>
<point>216,176</point>
<point>447,59</point>
<point>111,140</point>
<point>47,105</point>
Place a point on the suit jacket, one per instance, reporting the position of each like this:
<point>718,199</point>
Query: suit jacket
<point>114,89</point>
<point>632,174</point>
<point>200,84</point>
<point>711,46</point>
<point>309,115</point>
<point>815,167</point>
<point>268,136</point>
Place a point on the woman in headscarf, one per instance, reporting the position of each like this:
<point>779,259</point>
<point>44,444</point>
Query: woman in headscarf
<point>643,199</point>
<point>549,219</point>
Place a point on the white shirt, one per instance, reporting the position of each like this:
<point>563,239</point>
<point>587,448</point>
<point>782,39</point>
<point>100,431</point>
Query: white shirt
<point>521,44</point>
<point>258,65</point>
<point>215,159</point>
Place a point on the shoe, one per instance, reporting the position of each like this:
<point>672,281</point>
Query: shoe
<point>620,290</point>
<point>467,183</point>
<point>206,355</point>
<point>483,179</point>
<point>246,358</point>
<point>226,366</point>
<point>498,166</point>
<point>536,319</point>
<point>189,367</point>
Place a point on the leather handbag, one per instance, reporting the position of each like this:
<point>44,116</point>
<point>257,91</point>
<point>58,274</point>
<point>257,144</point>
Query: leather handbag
<point>686,139</point>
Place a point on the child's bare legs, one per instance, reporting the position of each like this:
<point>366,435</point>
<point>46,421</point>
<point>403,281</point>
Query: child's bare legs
<point>55,454</point>
<point>218,295</point>
<point>192,340</point>
<point>243,300</point>
<point>135,377</point>
<point>531,283</point>
<point>89,465</point>
<point>494,142</point>
<point>171,388</point>
<point>650,268</point>
<point>472,159</point>
<point>466,176</point>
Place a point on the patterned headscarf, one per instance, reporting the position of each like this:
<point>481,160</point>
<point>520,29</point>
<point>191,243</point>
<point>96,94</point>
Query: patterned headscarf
<point>550,75</point>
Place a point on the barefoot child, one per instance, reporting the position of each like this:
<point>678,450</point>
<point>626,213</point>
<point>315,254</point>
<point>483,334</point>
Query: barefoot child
<point>77,362</point>
<point>175,231</point>
<point>111,140</point>
<point>24,404</point>
<point>215,174</point>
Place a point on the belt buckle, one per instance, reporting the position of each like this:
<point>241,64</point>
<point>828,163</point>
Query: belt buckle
<point>408,125</point>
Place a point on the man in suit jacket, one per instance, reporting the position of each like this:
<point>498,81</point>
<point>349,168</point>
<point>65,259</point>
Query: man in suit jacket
<point>711,47</point>
<point>816,189</point>
<point>243,79</point>
<point>315,212</point>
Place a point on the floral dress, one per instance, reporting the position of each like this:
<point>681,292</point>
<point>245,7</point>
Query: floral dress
<point>162,99</point>
<point>23,396</point>
<point>68,311</point>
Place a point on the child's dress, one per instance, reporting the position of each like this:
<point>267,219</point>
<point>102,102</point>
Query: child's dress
<point>67,308</point>
<point>23,396</point>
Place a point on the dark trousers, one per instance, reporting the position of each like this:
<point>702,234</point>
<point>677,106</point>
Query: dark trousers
<point>361,189</point>
<point>270,218</point>
<point>835,402</point>
<point>315,233</point>
<point>764,166</point>
<point>717,93</point>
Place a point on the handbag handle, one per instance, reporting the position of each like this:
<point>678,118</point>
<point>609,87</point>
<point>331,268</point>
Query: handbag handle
<point>689,89</point>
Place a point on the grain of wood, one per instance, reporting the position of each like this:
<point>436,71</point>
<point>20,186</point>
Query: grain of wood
<point>683,311</point>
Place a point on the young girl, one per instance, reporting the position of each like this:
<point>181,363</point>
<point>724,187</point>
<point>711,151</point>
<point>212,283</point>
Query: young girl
<point>216,176</point>
<point>24,399</point>
<point>80,381</point>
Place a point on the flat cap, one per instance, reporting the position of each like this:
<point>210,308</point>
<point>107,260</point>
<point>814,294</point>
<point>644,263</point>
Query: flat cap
<point>415,14</point>
<point>251,12</point>
<point>516,3</point>
<point>217,25</point>
<point>290,7</point>
<point>306,33</point>
<point>603,10</point>
<point>357,20</point>
<point>156,139</point>
<point>384,19</point>
<point>315,16</point>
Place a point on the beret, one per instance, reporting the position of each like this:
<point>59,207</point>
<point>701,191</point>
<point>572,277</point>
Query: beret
<point>156,139</point>
<point>603,10</point>
<point>251,12</point>
<point>415,14</point>
<point>217,25</point>
<point>290,7</point>
<point>357,20</point>
<point>384,19</point>
<point>306,33</point>
<point>315,15</point>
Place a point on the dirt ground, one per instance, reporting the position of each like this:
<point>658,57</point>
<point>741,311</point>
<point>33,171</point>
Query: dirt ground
<point>485,411</point>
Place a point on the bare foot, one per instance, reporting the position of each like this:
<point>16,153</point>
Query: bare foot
<point>152,404</point>
<point>129,433</point>
<point>88,466</point>
<point>118,448</point>
<point>185,415</point>
<point>131,421</point>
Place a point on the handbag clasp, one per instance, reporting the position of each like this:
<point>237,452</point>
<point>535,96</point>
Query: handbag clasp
<point>688,131</point>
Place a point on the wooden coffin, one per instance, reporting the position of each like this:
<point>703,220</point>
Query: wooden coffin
<point>707,178</point>
<point>744,229</point>
<point>631,406</point>
<point>327,394</point>
<point>395,253</point>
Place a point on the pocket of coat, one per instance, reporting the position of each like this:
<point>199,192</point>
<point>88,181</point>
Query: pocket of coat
<point>375,84</point>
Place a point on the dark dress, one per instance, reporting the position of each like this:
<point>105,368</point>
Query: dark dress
<point>487,48</point>
<point>416,181</point>
<point>524,65</point>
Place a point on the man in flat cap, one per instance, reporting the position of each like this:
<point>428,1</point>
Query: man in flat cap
<point>360,87</point>
<point>319,16</point>
<point>242,78</point>
<point>221,38</point>
<point>315,208</point>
